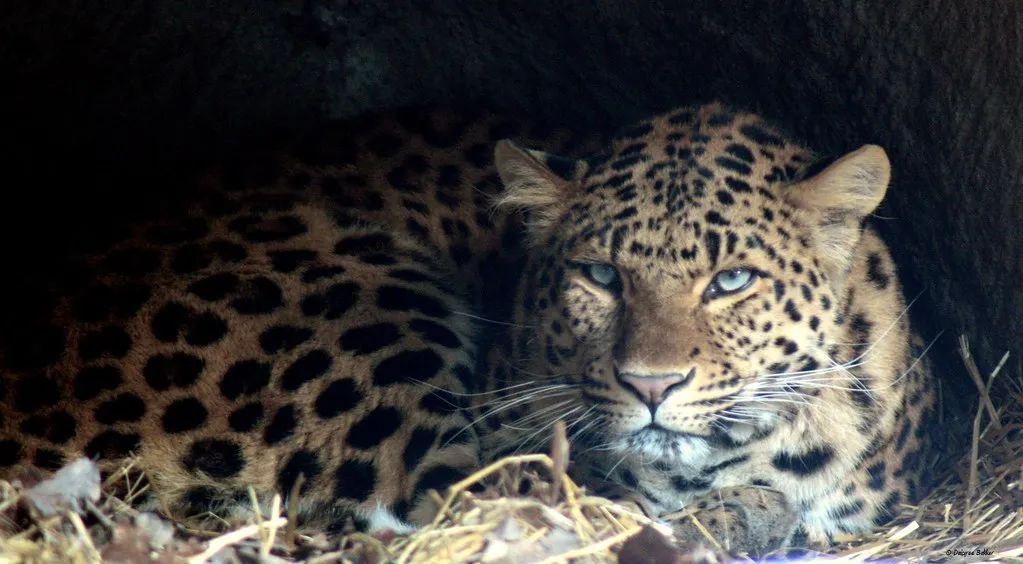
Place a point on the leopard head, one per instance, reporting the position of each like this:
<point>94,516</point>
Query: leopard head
<point>685,287</point>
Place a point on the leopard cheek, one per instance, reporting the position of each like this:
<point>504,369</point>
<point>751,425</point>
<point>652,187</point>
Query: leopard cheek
<point>592,315</point>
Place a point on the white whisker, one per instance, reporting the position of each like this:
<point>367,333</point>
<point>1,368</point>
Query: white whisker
<point>559,389</point>
<point>535,414</point>
<point>526,444</point>
<point>494,321</point>
<point>611,471</point>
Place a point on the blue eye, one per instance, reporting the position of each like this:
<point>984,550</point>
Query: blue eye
<point>603,275</point>
<point>730,281</point>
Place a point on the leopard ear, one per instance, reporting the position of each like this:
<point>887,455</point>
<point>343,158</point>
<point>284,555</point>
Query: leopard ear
<point>536,183</point>
<point>836,200</point>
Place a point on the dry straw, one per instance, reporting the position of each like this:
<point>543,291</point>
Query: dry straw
<point>976,516</point>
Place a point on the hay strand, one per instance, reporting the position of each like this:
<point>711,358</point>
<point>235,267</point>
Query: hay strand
<point>486,517</point>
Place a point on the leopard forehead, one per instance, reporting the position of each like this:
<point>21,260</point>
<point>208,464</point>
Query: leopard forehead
<point>689,180</point>
<point>675,200</point>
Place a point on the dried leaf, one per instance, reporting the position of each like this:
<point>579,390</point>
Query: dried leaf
<point>498,548</point>
<point>158,531</point>
<point>67,489</point>
<point>496,551</point>
<point>509,530</point>
<point>128,545</point>
<point>558,541</point>
<point>147,538</point>
<point>648,546</point>
<point>556,519</point>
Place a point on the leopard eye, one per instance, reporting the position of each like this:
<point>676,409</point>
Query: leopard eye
<point>603,275</point>
<point>729,282</point>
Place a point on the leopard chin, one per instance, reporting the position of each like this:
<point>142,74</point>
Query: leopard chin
<point>655,443</point>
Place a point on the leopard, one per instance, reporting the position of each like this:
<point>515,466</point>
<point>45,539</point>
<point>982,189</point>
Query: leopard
<point>376,310</point>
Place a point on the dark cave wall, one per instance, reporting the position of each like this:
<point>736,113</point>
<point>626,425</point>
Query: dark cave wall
<point>109,102</point>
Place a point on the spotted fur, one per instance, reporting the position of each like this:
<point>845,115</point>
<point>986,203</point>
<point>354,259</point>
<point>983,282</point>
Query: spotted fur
<point>335,316</point>
<point>803,383</point>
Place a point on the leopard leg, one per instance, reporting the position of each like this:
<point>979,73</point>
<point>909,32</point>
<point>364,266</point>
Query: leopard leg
<point>742,519</point>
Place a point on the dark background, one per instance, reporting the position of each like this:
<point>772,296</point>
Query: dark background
<point>107,106</point>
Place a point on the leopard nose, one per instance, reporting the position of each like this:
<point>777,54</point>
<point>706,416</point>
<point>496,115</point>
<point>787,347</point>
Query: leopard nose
<point>653,389</point>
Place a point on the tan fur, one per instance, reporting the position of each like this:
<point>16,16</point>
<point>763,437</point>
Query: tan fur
<point>839,198</point>
<point>406,204</point>
<point>332,195</point>
<point>827,294</point>
<point>531,186</point>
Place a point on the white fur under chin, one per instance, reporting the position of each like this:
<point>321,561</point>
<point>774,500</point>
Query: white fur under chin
<point>676,450</point>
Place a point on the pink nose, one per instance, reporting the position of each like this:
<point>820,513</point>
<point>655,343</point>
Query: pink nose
<point>652,389</point>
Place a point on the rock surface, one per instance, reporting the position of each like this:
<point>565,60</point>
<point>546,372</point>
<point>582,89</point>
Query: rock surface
<point>104,102</point>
